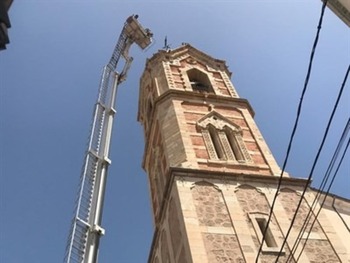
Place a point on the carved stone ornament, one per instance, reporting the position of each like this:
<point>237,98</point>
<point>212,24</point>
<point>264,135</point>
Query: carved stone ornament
<point>218,121</point>
<point>191,61</point>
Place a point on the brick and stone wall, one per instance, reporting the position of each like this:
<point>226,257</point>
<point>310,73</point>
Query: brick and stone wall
<point>209,205</point>
<point>218,216</point>
<point>317,248</point>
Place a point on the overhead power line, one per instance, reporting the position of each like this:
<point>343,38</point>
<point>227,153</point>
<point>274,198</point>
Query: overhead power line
<point>315,161</point>
<point>322,185</point>
<point>294,128</point>
<point>318,195</point>
<point>326,194</point>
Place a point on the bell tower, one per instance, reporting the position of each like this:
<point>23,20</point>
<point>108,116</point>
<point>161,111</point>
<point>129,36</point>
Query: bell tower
<point>211,174</point>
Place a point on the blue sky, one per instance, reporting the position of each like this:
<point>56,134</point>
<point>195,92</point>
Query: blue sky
<point>49,77</point>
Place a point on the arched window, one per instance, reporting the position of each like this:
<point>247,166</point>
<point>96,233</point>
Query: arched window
<point>272,241</point>
<point>232,139</point>
<point>148,111</point>
<point>216,142</point>
<point>223,139</point>
<point>149,108</point>
<point>199,81</point>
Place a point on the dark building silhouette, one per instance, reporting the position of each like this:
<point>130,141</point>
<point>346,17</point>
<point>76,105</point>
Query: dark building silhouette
<point>4,23</point>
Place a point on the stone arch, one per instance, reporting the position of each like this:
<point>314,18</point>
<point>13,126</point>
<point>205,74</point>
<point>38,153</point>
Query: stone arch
<point>252,199</point>
<point>248,186</point>
<point>223,138</point>
<point>218,121</point>
<point>288,189</point>
<point>259,213</point>
<point>199,80</point>
<point>148,108</point>
<point>149,105</point>
<point>210,205</point>
<point>204,183</point>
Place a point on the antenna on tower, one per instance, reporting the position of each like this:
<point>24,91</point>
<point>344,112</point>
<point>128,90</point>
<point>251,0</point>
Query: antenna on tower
<point>166,45</point>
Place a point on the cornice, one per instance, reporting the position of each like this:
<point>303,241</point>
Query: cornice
<point>207,97</point>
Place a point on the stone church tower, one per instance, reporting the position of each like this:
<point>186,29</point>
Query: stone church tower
<point>212,177</point>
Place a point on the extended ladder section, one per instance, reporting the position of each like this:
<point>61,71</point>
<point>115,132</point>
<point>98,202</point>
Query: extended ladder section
<point>86,230</point>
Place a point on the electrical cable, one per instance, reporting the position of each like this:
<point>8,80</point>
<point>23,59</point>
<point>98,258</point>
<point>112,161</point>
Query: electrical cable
<point>294,128</point>
<point>322,186</point>
<point>324,198</point>
<point>315,161</point>
<point>320,190</point>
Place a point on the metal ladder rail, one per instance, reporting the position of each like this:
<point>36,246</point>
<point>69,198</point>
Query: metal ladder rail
<point>78,233</point>
<point>85,224</point>
<point>80,227</point>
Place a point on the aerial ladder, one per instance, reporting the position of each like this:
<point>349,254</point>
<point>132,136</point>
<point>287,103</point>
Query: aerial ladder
<point>86,230</point>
